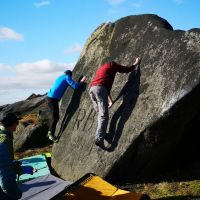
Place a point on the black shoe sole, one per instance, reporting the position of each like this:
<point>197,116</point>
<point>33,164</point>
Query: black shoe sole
<point>100,145</point>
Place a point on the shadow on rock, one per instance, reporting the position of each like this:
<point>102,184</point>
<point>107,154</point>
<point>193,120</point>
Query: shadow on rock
<point>129,94</point>
<point>71,109</point>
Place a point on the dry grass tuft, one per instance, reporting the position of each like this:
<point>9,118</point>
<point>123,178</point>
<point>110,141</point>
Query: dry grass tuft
<point>30,119</point>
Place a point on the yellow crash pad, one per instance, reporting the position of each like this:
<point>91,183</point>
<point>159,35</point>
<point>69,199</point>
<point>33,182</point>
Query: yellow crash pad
<point>95,188</point>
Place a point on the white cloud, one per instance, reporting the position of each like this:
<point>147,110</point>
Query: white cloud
<point>5,70</point>
<point>20,81</point>
<point>76,48</point>
<point>42,3</point>
<point>36,75</point>
<point>3,92</point>
<point>9,34</point>
<point>38,67</point>
<point>115,2</point>
<point>4,67</point>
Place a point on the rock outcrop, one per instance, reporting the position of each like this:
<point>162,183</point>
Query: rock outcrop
<point>31,136</point>
<point>32,104</point>
<point>154,106</point>
<point>32,130</point>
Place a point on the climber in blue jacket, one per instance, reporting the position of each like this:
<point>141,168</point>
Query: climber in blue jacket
<point>8,167</point>
<point>55,94</point>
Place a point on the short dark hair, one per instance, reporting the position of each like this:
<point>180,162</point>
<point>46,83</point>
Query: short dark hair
<point>8,119</point>
<point>68,72</point>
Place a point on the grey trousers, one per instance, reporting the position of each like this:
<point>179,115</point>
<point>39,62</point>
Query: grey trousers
<point>99,96</point>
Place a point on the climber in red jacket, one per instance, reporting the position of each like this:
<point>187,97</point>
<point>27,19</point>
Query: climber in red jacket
<point>100,94</point>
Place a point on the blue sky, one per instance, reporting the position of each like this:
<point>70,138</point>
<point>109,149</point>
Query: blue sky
<point>39,39</point>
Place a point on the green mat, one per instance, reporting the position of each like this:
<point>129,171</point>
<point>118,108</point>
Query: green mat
<point>38,162</point>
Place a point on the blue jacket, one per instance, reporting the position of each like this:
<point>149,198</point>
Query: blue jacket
<point>8,186</point>
<point>60,85</point>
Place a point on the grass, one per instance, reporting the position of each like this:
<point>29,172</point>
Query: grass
<point>30,119</point>
<point>171,190</point>
<point>32,152</point>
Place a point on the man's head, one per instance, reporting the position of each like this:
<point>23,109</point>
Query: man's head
<point>68,72</point>
<point>9,120</point>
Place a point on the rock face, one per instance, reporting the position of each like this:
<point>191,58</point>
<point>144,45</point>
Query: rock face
<point>154,106</point>
<point>30,136</point>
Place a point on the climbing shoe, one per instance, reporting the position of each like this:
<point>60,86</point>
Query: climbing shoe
<point>52,138</point>
<point>100,143</point>
<point>109,138</point>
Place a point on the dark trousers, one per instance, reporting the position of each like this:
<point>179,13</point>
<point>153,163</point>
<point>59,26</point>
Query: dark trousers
<point>54,108</point>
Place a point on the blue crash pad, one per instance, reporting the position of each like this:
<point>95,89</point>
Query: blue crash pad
<point>43,188</point>
<point>38,162</point>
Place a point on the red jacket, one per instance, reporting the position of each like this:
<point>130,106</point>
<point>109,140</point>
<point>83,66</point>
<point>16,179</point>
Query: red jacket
<point>105,74</point>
